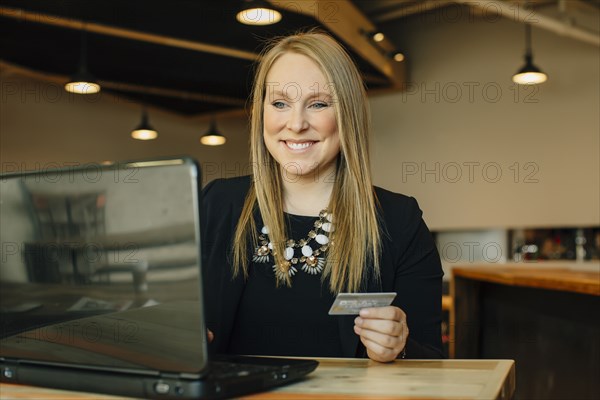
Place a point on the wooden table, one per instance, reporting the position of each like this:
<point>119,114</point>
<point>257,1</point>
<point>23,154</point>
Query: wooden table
<point>337,378</point>
<point>546,319</point>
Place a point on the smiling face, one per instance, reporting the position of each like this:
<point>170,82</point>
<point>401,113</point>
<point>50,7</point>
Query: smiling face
<point>300,129</point>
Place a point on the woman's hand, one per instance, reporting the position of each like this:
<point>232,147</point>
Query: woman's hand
<point>383,331</point>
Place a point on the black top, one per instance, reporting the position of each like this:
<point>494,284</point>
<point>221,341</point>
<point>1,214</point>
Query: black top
<point>286,321</point>
<point>255,317</point>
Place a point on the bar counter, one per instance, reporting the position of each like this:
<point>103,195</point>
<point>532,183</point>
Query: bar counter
<point>562,279</point>
<point>545,318</point>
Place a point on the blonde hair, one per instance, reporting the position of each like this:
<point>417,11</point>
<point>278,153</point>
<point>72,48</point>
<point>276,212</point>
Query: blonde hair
<point>356,241</point>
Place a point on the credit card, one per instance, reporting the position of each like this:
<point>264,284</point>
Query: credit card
<point>352,303</point>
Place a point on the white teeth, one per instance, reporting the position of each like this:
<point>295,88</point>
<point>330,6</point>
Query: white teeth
<point>298,146</point>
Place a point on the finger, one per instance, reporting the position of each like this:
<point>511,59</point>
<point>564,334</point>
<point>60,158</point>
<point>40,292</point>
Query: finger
<point>383,340</point>
<point>386,340</point>
<point>377,352</point>
<point>388,327</point>
<point>404,332</point>
<point>389,312</point>
<point>210,335</point>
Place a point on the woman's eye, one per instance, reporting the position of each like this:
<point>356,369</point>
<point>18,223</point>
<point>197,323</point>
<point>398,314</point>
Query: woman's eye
<point>278,104</point>
<point>320,105</point>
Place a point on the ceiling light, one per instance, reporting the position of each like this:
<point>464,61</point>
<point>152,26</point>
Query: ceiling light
<point>378,37</point>
<point>82,82</point>
<point>529,74</point>
<point>144,131</point>
<point>399,57</point>
<point>213,137</point>
<point>255,12</point>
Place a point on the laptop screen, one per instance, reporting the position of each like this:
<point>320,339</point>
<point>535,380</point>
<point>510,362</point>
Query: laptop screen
<point>99,266</point>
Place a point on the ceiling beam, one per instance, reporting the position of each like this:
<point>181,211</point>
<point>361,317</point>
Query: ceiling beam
<point>70,23</point>
<point>522,14</point>
<point>580,6</point>
<point>162,40</point>
<point>57,79</point>
<point>405,11</point>
<point>346,21</point>
<point>371,7</point>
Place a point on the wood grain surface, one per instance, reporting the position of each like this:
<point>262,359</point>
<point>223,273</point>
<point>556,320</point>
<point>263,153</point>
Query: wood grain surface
<point>361,379</point>
<point>564,279</point>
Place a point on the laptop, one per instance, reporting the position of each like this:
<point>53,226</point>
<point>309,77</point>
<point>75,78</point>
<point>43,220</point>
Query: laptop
<point>100,286</point>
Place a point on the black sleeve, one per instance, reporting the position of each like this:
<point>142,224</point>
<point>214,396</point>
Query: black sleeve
<point>417,278</point>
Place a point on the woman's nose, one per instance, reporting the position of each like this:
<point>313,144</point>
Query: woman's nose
<point>297,121</point>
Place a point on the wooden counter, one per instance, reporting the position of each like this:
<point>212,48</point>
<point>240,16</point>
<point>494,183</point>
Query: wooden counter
<point>563,279</point>
<point>361,379</point>
<point>546,319</point>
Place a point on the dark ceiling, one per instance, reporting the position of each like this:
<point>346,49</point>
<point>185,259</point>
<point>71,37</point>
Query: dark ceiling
<point>178,79</point>
<point>42,39</point>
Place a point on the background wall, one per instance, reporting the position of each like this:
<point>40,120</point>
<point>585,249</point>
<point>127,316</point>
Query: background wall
<point>42,126</point>
<point>478,151</point>
<point>475,150</point>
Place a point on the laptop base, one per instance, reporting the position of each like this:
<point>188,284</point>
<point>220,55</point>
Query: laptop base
<point>216,385</point>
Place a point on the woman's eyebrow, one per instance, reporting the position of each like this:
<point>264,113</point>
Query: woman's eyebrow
<point>293,94</point>
<point>278,93</point>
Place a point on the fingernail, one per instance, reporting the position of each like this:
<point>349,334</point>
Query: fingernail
<point>358,321</point>
<point>364,312</point>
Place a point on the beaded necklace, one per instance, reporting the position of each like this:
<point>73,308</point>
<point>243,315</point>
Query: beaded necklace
<point>309,251</point>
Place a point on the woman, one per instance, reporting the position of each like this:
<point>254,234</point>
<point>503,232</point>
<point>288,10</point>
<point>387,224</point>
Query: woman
<point>277,248</point>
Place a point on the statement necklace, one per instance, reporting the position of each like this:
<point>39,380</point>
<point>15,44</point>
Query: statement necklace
<point>304,251</point>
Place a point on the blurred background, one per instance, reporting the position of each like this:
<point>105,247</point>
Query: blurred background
<point>506,173</point>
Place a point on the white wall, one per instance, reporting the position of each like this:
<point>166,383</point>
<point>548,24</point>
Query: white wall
<point>550,135</point>
<point>42,126</point>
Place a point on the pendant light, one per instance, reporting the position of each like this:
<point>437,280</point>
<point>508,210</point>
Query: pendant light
<point>213,137</point>
<point>144,131</point>
<point>398,56</point>
<point>376,36</point>
<point>257,12</point>
<point>529,74</point>
<point>82,82</point>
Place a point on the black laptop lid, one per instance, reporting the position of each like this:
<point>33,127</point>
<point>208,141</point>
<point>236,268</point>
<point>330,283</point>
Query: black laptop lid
<point>99,267</point>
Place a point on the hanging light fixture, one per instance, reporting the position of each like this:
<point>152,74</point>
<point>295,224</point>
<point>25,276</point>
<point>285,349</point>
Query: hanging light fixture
<point>82,82</point>
<point>144,131</point>
<point>529,74</point>
<point>213,137</point>
<point>378,36</point>
<point>374,35</point>
<point>257,12</point>
<point>397,56</point>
